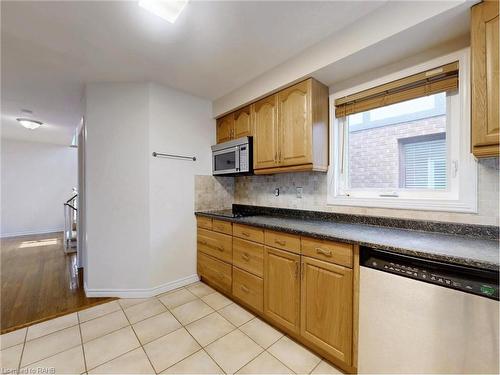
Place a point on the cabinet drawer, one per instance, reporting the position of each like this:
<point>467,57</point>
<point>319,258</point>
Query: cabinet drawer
<point>283,241</point>
<point>216,272</point>
<point>215,244</point>
<point>204,222</point>
<point>248,256</point>
<point>248,233</point>
<point>248,288</point>
<point>222,226</point>
<point>329,251</point>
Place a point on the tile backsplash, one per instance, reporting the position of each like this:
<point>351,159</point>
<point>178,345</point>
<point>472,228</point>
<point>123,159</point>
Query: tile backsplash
<point>213,193</point>
<point>259,191</point>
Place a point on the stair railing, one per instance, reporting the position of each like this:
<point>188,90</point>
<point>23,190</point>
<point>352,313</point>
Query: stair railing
<point>70,237</point>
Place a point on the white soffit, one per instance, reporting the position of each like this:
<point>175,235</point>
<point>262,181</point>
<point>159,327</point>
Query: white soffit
<point>419,24</point>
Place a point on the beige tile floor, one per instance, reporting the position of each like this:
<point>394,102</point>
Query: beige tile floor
<point>191,330</point>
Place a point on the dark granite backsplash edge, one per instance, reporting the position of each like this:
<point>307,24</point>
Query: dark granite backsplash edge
<point>487,232</point>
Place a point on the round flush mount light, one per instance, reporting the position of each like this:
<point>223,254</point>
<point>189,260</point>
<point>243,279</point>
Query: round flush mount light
<point>29,123</point>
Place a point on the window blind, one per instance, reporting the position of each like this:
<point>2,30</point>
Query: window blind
<point>440,79</point>
<point>425,164</point>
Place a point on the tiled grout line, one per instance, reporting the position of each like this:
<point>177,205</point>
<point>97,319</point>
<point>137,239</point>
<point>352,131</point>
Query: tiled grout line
<point>140,343</point>
<point>314,368</point>
<point>72,347</point>
<point>81,340</point>
<point>237,328</point>
<point>137,337</point>
<point>52,355</point>
<point>22,351</point>
<point>182,325</point>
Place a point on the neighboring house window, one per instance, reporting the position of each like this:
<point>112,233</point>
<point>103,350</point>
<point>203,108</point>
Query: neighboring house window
<point>422,162</point>
<point>404,142</point>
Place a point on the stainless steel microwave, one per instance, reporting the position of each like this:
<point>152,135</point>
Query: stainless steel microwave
<point>233,157</point>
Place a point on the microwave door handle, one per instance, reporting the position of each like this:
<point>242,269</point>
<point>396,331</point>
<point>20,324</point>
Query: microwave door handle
<point>237,159</point>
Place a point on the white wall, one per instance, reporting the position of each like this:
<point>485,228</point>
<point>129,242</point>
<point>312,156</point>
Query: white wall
<point>141,230</point>
<point>36,180</point>
<point>179,124</point>
<point>117,187</point>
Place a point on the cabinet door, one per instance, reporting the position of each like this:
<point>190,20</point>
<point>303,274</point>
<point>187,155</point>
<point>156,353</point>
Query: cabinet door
<point>485,76</point>
<point>265,139</point>
<point>282,288</point>
<point>225,128</point>
<point>242,123</point>
<point>326,307</point>
<point>295,124</point>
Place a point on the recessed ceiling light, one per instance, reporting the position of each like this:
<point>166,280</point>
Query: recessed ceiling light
<point>29,123</point>
<point>167,9</point>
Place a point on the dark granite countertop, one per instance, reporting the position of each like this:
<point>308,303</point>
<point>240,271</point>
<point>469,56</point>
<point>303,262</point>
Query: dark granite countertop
<point>450,248</point>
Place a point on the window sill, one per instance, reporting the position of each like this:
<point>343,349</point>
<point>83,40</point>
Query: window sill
<point>466,206</point>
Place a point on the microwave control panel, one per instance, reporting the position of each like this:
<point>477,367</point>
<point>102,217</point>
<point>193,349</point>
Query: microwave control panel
<point>244,156</point>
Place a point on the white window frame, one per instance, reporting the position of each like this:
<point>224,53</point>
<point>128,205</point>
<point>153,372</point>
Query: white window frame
<point>461,192</point>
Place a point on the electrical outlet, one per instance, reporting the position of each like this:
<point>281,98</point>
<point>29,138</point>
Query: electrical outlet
<point>276,192</point>
<point>299,192</point>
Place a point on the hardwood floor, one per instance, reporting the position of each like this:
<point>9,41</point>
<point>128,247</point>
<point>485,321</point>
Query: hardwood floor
<point>39,281</point>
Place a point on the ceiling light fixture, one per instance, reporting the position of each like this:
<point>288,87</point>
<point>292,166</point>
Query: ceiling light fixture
<point>29,123</point>
<point>167,9</point>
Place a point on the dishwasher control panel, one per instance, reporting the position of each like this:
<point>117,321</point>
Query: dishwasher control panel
<point>479,282</point>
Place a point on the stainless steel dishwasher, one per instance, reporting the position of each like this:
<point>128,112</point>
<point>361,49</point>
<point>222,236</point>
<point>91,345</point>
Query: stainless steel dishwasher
<point>426,317</point>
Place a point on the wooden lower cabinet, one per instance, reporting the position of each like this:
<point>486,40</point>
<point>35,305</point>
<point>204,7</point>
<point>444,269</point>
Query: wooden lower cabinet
<point>248,288</point>
<point>326,307</point>
<point>282,288</point>
<point>215,272</point>
<point>304,286</point>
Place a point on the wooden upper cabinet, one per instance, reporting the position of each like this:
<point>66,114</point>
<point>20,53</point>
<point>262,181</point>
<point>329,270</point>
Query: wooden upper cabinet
<point>282,288</point>
<point>326,307</point>
<point>485,77</point>
<point>289,129</point>
<point>265,138</point>
<point>225,128</point>
<point>242,123</point>
<point>295,124</point>
<point>301,132</point>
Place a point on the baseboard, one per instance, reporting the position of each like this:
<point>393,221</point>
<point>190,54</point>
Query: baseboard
<point>141,293</point>
<point>29,233</point>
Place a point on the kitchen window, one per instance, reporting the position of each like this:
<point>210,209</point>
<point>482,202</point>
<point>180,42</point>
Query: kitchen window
<point>403,141</point>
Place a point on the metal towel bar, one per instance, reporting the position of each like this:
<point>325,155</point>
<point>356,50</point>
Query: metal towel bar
<point>159,154</point>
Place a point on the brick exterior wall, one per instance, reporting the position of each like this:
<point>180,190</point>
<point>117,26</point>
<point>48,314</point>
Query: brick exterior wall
<point>374,153</point>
